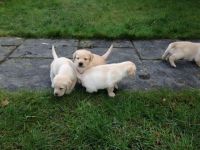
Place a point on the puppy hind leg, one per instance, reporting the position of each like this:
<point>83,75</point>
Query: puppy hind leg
<point>110,91</point>
<point>197,62</point>
<point>116,86</point>
<point>172,61</point>
<point>90,90</point>
<point>197,59</point>
<point>167,57</point>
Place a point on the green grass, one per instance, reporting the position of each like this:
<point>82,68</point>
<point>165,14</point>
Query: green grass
<point>135,19</point>
<point>132,120</point>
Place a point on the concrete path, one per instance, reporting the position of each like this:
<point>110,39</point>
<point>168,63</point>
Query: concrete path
<point>24,63</point>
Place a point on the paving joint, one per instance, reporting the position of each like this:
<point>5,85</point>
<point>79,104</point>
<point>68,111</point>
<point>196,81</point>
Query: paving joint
<point>12,51</point>
<point>137,52</point>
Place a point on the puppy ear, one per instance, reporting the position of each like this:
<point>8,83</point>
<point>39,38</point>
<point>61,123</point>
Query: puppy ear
<point>74,55</point>
<point>91,56</point>
<point>68,87</point>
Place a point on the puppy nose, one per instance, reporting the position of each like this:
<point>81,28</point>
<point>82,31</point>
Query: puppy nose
<point>80,64</point>
<point>56,94</point>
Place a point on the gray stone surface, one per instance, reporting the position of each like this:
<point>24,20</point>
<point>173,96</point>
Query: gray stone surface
<point>42,48</point>
<point>28,61</point>
<point>104,43</point>
<point>187,74</point>
<point>8,41</point>
<point>5,51</point>
<point>152,49</point>
<point>25,73</point>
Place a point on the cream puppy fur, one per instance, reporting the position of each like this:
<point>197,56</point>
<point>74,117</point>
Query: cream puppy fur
<point>182,50</point>
<point>84,59</point>
<point>106,76</point>
<point>63,75</point>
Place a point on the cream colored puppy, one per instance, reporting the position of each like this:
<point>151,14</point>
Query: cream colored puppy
<point>84,59</point>
<point>106,76</point>
<point>182,50</point>
<point>63,75</point>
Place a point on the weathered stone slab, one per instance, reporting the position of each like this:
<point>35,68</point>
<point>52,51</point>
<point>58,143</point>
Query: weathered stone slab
<point>8,41</point>
<point>5,51</point>
<point>104,43</point>
<point>152,49</point>
<point>42,48</point>
<point>25,73</point>
<point>186,75</point>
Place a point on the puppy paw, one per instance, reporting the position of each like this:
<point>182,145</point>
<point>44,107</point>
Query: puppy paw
<point>111,94</point>
<point>174,66</point>
<point>68,91</point>
<point>89,91</point>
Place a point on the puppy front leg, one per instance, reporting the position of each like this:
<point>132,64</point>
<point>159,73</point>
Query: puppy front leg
<point>110,91</point>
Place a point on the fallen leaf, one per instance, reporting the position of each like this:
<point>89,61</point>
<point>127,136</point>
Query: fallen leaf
<point>4,103</point>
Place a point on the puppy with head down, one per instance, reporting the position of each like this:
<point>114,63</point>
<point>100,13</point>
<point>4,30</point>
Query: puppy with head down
<point>106,76</point>
<point>63,75</point>
<point>84,59</point>
<point>182,50</point>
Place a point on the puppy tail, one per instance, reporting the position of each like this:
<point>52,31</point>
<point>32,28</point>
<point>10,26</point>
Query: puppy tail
<point>55,56</point>
<point>105,56</point>
<point>167,52</point>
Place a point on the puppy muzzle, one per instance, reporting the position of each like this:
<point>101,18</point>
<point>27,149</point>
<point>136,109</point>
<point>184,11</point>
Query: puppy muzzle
<point>80,64</point>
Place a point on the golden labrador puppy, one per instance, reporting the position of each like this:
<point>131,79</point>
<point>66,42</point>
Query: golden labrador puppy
<point>106,76</point>
<point>182,50</point>
<point>63,75</point>
<point>84,59</point>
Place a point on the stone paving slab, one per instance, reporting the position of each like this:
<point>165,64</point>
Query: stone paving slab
<point>186,75</point>
<point>25,73</point>
<point>42,48</point>
<point>152,49</point>
<point>5,51</point>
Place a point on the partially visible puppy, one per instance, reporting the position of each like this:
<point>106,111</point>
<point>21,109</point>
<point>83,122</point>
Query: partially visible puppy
<point>106,76</point>
<point>84,59</point>
<point>63,75</point>
<point>182,50</point>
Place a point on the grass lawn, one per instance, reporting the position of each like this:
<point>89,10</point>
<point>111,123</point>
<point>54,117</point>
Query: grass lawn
<point>132,120</point>
<point>136,19</point>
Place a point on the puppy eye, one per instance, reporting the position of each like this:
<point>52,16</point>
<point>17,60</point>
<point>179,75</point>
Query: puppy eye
<point>77,58</point>
<point>85,59</point>
<point>61,88</point>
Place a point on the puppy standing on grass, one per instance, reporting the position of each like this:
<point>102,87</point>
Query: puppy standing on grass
<point>106,76</point>
<point>63,75</point>
<point>182,50</point>
<point>84,59</point>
